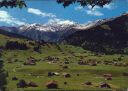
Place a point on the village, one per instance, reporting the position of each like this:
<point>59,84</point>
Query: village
<point>65,71</point>
<point>42,66</point>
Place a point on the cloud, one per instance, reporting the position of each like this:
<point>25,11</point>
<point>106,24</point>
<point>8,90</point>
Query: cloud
<point>88,7</point>
<point>109,6</point>
<point>40,13</point>
<point>94,13</point>
<point>60,21</point>
<point>90,11</point>
<point>78,8</point>
<point>94,8</point>
<point>6,18</point>
<point>53,19</point>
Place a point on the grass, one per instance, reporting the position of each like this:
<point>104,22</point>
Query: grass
<point>38,73</point>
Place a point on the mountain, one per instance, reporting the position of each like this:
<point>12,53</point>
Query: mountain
<point>107,35</point>
<point>53,32</point>
<point>11,34</point>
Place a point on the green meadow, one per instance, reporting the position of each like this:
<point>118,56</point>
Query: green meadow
<point>14,65</point>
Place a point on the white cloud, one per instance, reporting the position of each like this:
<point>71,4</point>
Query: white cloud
<point>88,7</point>
<point>78,8</point>
<point>60,21</point>
<point>40,13</point>
<point>90,11</point>
<point>5,17</point>
<point>94,13</point>
<point>94,8</point>
<point>53,18</point>
<point>109,6</point>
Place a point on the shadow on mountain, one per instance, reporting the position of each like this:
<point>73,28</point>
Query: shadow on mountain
<point>108,36</point>
<point>13,35</point>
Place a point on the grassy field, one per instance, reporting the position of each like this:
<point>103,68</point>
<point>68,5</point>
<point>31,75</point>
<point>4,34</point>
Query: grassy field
<point>39,73</point>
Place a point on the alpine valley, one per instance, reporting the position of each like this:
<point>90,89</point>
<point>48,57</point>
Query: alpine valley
<point>107,35</point>
<point>65,56</point>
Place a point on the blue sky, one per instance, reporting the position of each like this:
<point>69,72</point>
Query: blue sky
<point>48,11</point>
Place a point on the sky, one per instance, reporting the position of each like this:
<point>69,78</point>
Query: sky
<point>49,11</point>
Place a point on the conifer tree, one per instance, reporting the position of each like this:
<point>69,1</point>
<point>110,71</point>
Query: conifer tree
<point>3,75</point>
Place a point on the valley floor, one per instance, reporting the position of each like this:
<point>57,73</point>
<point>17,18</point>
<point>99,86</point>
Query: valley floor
<point>80,65</point>
<point>39,73</point>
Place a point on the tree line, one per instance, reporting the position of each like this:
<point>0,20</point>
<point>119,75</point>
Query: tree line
<point>13,45</point>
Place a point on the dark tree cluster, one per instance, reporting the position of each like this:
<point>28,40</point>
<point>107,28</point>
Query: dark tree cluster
<point>3,76</point>
<point>13,45</point>
<point>41,42</point>
<point>37,48</point>
<point>83,3</point>
<point>21,3</point>
<point>12,3</point>
<point>102,41</point>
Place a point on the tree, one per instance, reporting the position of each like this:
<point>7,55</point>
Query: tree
<point>21,3</point>
<point>3,75</point>
<point>12,3</point>
<point>15,45</point>
<point>83,3</point>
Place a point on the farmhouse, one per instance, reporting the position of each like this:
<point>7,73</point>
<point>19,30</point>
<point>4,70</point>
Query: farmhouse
<point>104,85</point>
<point>88,83</point>
<point>52,85</point>
<point>32,84</point>
<point>22,84</point>
<point>30,61</point>
<point>66,75</point>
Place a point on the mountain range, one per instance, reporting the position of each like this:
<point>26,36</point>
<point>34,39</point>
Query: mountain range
<point>47,32</point>
<point>53,32</point>
<point>107,35</point>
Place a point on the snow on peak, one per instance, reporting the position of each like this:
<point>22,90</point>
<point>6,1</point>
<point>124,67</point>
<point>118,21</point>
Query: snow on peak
<point>61,22</point>
<point>52,26</point>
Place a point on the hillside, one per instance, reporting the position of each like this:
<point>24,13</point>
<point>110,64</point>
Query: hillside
<point>82,65</point>
<point>105,36</point>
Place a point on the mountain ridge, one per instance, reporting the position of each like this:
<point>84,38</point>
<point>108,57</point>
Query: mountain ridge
<point>56,32</point>
<point>49,32</point>
<point>110,36</point>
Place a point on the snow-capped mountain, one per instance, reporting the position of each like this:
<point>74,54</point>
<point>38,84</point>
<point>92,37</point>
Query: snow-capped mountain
<point>46,27</point>
<point>51,32</point>
<point>48,32</point>
<point>54,31</point>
